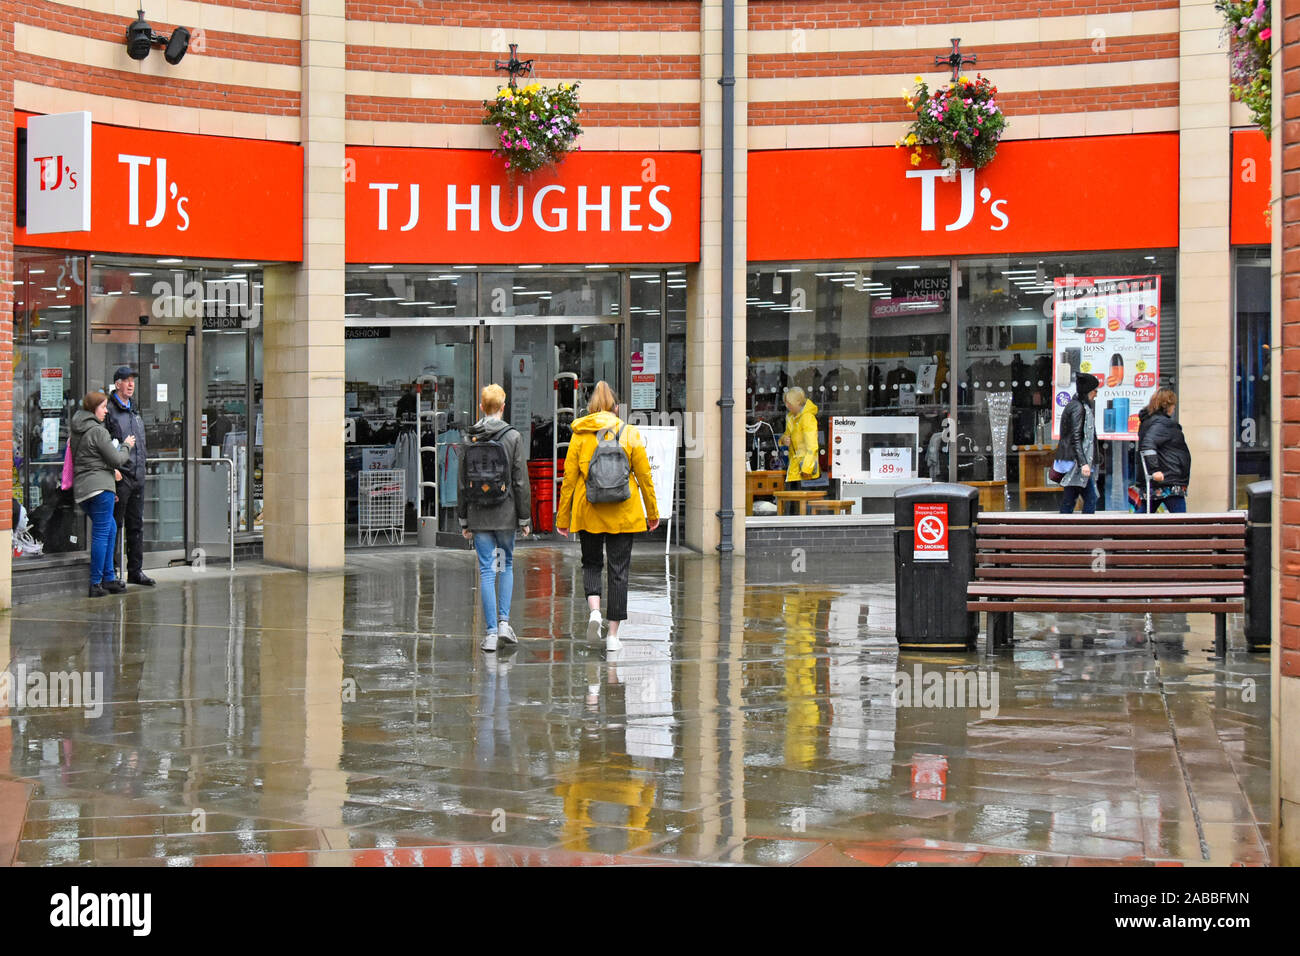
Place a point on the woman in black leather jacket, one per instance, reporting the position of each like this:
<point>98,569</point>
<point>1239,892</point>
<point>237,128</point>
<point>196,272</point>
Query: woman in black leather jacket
<point>1078,447</point>
<point>1164,452</point>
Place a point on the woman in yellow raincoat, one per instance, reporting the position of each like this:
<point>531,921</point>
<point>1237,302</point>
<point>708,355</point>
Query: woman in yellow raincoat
<point>605,529</point>
<point>801,438</point>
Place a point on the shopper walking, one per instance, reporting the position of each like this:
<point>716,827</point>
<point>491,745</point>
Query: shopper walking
<point>1165,453</point>
<point>96,458</point>
<point>124,421</point>
<point>1078,447</point>
<point>493,501</point>
<point>801,438</point>
<point>606,457</point>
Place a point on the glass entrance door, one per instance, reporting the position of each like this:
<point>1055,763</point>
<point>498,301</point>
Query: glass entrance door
<point>548,368</point>
<point>162,359</point>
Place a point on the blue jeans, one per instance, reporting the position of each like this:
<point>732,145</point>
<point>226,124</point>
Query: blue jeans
<point>1175,506</point>
<point>496,571</point>
<point>1070,494</point>
<point>103,535</point>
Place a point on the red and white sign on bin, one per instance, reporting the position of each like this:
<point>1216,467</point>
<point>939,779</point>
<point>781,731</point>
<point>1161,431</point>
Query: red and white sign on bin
<point>930,531</point>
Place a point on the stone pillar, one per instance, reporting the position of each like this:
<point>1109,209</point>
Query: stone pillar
<point>1285,718</point>
<point>8,176</point>
<point>303,341</point>
<point>1205,345</point>
<point>704,322</point>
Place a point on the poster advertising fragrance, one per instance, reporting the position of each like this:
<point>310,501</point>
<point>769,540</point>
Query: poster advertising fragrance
<point>1108,327</point>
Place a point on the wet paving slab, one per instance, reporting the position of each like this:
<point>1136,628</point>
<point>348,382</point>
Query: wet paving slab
<point>758,713</point>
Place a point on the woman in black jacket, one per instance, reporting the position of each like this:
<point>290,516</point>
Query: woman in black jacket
<point>1077,453</point>
<point>1164,452</point>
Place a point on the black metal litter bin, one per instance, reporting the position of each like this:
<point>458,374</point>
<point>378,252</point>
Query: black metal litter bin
<point>1259,565</point>
<point>934,562</point>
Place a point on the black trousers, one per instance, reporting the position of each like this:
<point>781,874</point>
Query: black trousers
<point>130,520</point>
<point>596,547</point>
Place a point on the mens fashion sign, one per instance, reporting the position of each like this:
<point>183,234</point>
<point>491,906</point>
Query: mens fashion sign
<point>58,173</point>
<point>459,205</point>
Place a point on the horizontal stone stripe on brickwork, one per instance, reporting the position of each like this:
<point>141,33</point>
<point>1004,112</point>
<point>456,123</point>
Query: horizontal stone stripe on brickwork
<point>893,110</point>
<point>1020,56</point>
<point>267,6</point>
<point>157,90</point>
<point>610,15</point>
<point>567,67</point>
<point>399,110</point>
<point>64,18</point>
<point>812,14</point>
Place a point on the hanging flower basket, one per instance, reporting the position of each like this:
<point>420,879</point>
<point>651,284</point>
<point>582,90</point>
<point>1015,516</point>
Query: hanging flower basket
<point>1249,28</point>
<point>536,125</point>
<point>960,121</point>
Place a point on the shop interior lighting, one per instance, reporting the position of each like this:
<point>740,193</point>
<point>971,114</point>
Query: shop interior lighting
<point>475,267</point>
<point>36,272</point>
<point>168,262</point>
<point>522,267</point>
<point>601,266</point>
<point>141,38</point>
<point>244,265</point>
<point>381,267</point>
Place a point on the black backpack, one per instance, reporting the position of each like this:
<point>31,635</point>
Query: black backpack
<point>485,470</point>
<point>608,472</point>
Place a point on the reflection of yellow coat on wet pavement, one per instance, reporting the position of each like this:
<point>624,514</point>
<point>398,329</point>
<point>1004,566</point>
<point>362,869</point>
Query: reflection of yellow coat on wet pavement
<point>801,429</point>
<point>576,512</point>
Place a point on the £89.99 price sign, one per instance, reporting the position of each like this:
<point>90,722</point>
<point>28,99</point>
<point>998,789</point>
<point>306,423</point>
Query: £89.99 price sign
<point>930,531</point>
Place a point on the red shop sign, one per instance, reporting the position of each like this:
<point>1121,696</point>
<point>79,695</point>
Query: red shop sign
<point>930,531</point>
<point>458,205</point>
<point>1092,192</point>
<point>1252,181</point>
<point>181,194</point>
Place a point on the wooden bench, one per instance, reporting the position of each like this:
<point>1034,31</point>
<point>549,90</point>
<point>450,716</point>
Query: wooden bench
<point>1109,562</point>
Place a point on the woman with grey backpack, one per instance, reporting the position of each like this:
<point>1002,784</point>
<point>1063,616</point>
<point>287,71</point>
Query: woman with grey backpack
<point>606,456</point>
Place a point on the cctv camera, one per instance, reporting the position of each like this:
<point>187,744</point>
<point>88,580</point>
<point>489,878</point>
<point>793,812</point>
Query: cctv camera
<point>144,318</point>
<point>177,45</point>
<point>139,39</point>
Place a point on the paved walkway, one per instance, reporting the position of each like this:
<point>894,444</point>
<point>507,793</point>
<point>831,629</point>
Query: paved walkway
<point>268,718</point>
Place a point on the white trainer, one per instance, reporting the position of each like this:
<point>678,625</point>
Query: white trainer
<point>507,633</point>
<point>593,626</point>
<point>489,642</point>
<point>612,643</point>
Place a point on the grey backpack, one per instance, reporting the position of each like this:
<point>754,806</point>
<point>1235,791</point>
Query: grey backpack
<point>608,472</point>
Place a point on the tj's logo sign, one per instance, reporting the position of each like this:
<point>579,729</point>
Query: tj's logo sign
<point>163,193</point>
<point>54,173</point>
<point>928,178</point>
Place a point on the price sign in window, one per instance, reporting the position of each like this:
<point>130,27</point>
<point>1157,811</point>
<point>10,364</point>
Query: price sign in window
<point>891,462</point>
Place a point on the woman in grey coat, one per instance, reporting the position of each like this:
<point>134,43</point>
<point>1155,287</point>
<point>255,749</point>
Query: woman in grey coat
<point>95,460</point>
<point>492,526</point>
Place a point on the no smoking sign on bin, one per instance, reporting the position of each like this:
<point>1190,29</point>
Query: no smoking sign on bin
<point>930,531</point>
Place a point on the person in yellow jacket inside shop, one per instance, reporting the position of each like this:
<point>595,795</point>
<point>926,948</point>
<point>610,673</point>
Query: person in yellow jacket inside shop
<point>801,438</point>
<point>605,527</point>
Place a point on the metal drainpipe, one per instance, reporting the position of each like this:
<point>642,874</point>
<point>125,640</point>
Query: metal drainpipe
<point>727,402</point>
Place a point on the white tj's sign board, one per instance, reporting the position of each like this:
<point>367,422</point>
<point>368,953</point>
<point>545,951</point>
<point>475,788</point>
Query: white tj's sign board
<point>58,173</point>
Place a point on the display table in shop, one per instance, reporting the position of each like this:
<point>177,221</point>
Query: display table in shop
<point>1034,462</point>
<point>758,483</point>
<point>993,494</point>
<point>799,499</point>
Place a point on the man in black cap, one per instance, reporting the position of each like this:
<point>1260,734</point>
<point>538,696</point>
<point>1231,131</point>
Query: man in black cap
<point>124,419</point>
<point>1078,446</point>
